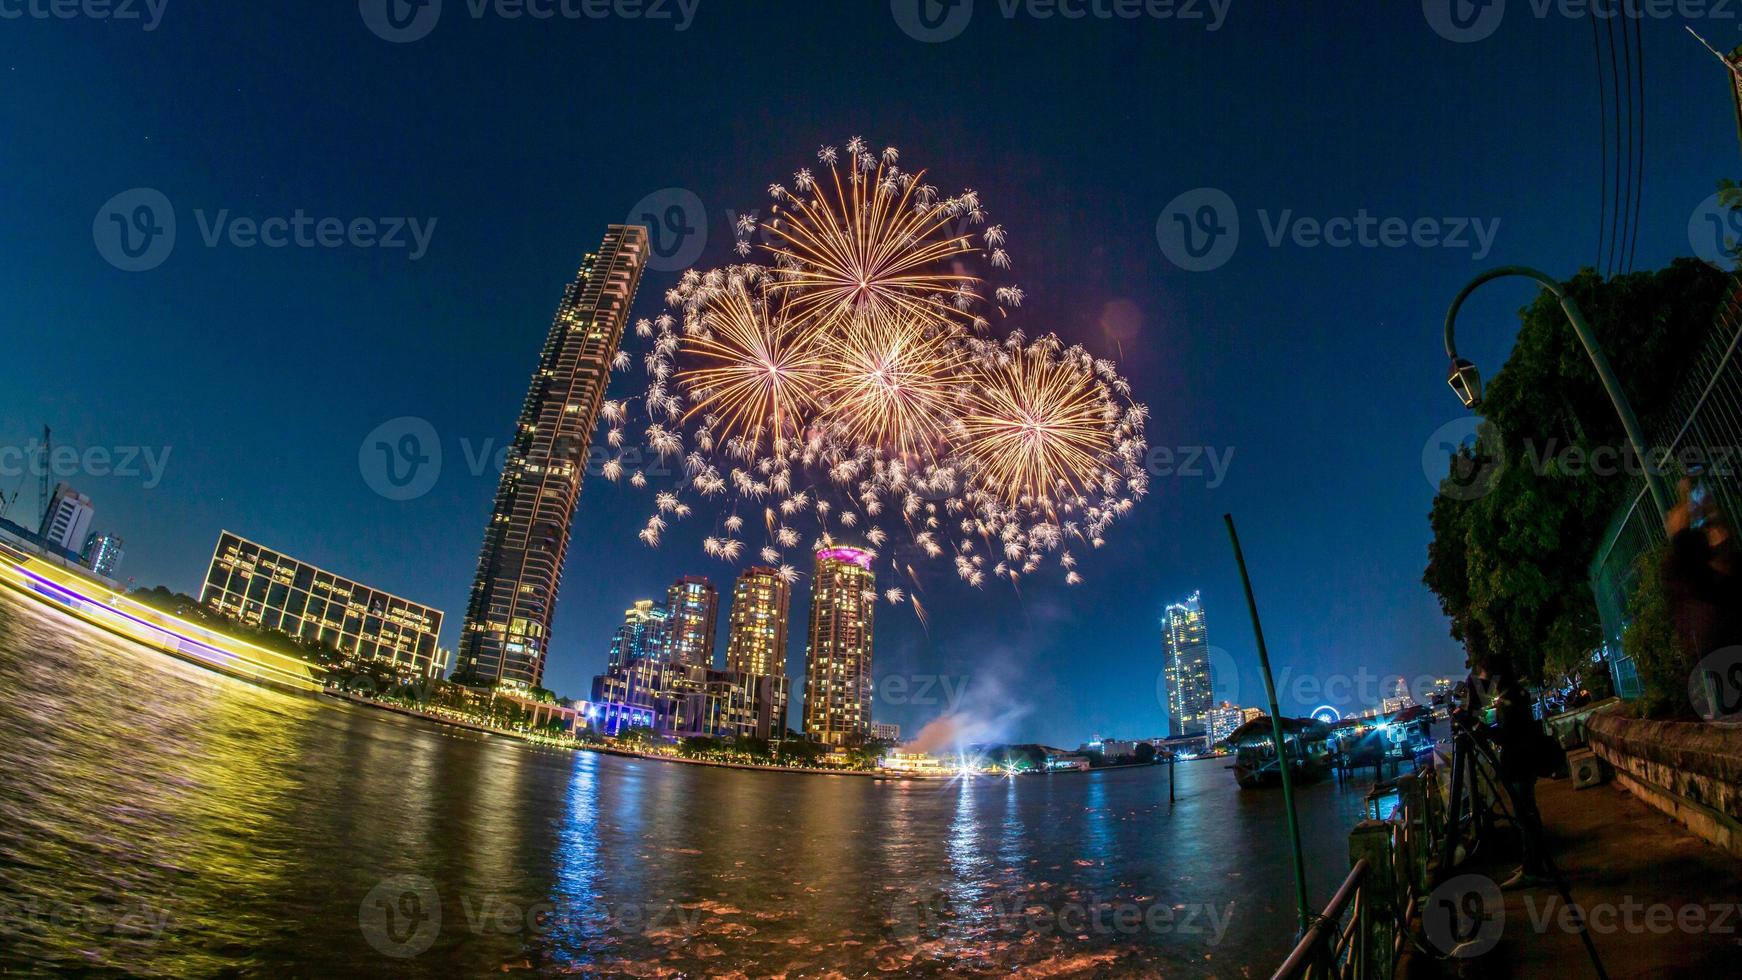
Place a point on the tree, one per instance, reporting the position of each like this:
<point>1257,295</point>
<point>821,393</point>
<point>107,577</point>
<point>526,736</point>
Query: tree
<point>1510,555</point>
<point>1145,753</point>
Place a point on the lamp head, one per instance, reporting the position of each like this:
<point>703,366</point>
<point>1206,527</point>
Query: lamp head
<point>1466,382</point>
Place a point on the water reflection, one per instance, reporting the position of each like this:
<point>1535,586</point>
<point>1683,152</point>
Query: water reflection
<point>159,819</point>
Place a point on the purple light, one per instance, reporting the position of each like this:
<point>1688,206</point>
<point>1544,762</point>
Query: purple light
<point>852,556</point>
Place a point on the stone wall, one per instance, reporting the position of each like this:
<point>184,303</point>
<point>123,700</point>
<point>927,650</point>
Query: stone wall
<point>1689,770</point>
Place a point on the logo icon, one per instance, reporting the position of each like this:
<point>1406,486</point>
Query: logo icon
<point>401,916</point>
<point>1471,446</point>
<point>401,458</point>
<point>1715,687</point>
<point>932,21</point>
<point>1199,230</point>
<point>1464,21</point>
<point>135,230</point>
<point>1464,916</point>
<point>677,227</point>
<point>1715,232</point>
<point>400,21</point>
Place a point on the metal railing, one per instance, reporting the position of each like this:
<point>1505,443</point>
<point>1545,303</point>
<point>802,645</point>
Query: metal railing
<point>1365,927</point>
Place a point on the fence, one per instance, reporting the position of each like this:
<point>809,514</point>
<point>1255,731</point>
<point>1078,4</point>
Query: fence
<point>1708,406</point>
<point>1361,933</point>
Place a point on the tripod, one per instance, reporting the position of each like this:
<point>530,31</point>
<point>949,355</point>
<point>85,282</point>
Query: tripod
<point>1473,764</point>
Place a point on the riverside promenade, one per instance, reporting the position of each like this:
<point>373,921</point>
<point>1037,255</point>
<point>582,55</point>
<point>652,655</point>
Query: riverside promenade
<point>1660,901</point>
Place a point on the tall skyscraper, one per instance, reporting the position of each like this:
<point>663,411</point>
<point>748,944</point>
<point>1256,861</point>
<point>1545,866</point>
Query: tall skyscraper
<point>1186,647</point>
<point>642,635</point>
<point>508,617</point>
<point>756,631</point>
<point>693,606</point>
<point>67,519</point>
<point>837,683</point>
<point>102,554</point>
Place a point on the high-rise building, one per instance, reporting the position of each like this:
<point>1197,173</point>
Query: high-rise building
<point>693,607</point>
<point>102,554</point>
<point>1186,649</point>
<point>1224,718</point>
<point>642,635</point>
<point>837,683</point>
<point>508,617</point>
<point>253,584</point>
<point>68,519</point>
<point>756,629</point>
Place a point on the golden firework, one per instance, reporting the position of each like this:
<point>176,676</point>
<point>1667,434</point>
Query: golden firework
<point>1035,429</point>
<point>758,370</point>
<point>891,384</point>
<point>870,251</point>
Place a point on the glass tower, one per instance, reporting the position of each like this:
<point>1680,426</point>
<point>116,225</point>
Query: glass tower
<point>1186,646</point>
<point>837,683</point>
<point>756,632</point>
<point>508,616</point>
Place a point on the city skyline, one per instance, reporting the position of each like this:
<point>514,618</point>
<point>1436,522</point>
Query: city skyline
<point>1241,359</point>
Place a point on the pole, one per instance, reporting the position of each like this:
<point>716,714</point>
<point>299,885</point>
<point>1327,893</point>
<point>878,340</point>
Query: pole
<point>1606,374</point>
<point>1282,762</point>
<point>1172,758</point>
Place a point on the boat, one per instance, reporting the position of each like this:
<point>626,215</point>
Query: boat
<point>1308,742</point>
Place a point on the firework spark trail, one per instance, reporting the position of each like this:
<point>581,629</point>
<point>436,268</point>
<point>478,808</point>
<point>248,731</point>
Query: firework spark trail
<point>847,389</point>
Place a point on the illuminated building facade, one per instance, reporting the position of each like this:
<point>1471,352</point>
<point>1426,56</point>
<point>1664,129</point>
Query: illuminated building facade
<point>1227,716</point>
<point>692,606</point>
<point>837,686</point>
<point>513,598</point>
<point>886,731</point>
<point>257,586</point>
<point>756,629</point>
<point>102,554</point>
<point>67,519</point>
<point>642,635</point>
<point>1186,649</point>
<point>682,700</point>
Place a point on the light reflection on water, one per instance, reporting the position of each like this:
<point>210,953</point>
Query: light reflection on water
<point>155,818</point>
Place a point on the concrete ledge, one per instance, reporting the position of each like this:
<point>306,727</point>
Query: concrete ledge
<point>1691,771</point>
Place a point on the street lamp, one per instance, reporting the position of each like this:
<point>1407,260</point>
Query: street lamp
<point>1466,381</point>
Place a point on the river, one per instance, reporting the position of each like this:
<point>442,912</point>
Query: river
<point>156,818</point>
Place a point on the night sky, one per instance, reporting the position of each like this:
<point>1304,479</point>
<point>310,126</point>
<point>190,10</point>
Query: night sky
<point>1320,370</point>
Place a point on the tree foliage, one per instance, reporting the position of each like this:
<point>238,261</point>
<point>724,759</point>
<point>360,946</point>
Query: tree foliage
<point>1523,511</point>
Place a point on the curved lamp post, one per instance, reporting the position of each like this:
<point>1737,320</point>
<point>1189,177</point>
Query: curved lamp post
<point>1466,381</point>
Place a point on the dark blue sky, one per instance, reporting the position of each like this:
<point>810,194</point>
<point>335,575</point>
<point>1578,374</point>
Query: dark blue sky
<point>261,370</point>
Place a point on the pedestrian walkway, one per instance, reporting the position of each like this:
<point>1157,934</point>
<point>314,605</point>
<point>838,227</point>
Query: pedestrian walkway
<point>1660,901</point>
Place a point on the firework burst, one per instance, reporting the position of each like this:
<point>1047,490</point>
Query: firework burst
<point>848,389</point>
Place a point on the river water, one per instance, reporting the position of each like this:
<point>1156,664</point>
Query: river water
<point>159,819</point>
